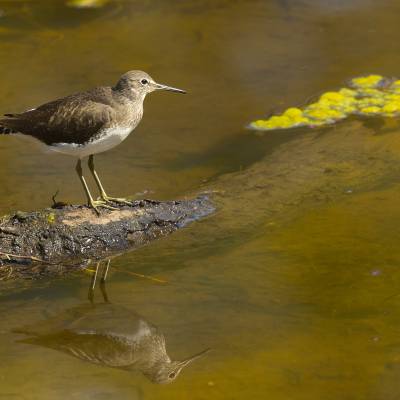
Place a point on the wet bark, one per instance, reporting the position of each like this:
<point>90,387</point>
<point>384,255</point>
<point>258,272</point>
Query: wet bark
<point>53,241</point>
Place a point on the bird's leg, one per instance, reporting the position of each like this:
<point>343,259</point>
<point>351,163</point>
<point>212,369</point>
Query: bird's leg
<point>92,203</point>
<point>103,194</point>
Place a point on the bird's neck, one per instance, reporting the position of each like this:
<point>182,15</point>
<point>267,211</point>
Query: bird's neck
<point>152,370</point>
<point>129,106</point>
<point>127,93</point>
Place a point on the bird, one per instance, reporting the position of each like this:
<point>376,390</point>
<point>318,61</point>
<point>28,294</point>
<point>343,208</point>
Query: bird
<point>87,123</point>
<point>109,335</point>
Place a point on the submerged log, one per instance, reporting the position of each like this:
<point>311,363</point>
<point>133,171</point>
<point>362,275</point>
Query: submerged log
<point>56,240</point>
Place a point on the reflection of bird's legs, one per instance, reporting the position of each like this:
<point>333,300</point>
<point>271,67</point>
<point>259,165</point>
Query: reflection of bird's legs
<point>103,194</point>
<point>103,282</point>
<point>93,283</point>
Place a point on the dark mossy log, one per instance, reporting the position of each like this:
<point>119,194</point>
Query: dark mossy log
<point>54,240</point>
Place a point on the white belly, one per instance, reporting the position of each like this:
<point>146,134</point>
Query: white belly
<point>106,141</point>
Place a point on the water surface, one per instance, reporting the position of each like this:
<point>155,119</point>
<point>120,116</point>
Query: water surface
<point>305,307</point>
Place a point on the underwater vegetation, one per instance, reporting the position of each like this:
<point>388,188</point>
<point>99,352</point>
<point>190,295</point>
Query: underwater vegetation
<point>372,95</point>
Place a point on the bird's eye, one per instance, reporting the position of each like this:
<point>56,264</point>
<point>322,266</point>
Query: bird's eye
<point>171,375</point>
<point>144,81</point>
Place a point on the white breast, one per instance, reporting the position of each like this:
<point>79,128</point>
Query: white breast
<point>108,139</point>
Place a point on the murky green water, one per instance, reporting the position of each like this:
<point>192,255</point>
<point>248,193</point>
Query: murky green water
<point>297,298</point>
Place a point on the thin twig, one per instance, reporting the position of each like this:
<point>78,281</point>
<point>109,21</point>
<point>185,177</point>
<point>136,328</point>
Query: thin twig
<point>149,277</point>
<point>145,276</point>
<point>9,257</point>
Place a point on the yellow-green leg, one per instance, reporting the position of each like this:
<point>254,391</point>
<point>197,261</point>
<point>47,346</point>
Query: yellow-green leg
<point>103,194</point>
<point>91,203</point>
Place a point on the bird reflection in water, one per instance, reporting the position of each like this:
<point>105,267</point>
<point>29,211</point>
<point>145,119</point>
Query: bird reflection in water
<point>109,335</point>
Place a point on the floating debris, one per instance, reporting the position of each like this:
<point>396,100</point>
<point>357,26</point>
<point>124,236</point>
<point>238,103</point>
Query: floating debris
<point>372,95</point>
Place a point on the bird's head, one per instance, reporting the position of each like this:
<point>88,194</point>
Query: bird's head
<point>167,372</point>
<point>137,84</point>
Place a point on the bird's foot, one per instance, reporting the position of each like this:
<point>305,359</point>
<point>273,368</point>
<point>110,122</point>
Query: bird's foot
<point>117,200</point>
<point>95,204</point>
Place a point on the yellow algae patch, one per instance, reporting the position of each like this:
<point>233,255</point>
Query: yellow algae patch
<point>370,81</point>
<point>372,95</point>
<point>391,107</point>
<point>296,116</point>
<point>293,113</point>
<point>370,110</point>
<point>333,97</point>
<point>395,87</point>
<point>371,101</point>
<point>326,114</point>
<point>349,93</point>
<point>290,118</point>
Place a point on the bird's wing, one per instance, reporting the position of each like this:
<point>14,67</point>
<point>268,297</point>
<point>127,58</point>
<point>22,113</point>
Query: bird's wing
<point>111,320</point>
<point>98,349</point>
<point>72,119</point>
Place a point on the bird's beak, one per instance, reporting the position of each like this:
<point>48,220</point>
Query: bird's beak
<point>186,362</point>
<point>158,86</point>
